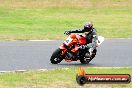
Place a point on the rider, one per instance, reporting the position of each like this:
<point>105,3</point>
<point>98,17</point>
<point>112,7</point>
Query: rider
<point>91,36</point>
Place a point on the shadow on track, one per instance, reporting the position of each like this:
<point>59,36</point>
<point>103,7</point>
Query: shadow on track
<point>75,65</point>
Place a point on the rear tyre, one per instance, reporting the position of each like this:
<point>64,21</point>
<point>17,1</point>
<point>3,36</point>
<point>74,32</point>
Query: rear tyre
<point>87,60</point>
<point>94,53</point>
<point>56,57</point>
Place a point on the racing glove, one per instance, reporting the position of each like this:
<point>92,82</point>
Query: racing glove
<point>67,32</point>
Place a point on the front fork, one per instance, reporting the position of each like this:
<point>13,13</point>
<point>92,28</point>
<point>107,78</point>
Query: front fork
<point>63,49</point>
<point>74,51</point>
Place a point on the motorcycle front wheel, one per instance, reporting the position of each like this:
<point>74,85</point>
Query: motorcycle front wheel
<point>56,57</point>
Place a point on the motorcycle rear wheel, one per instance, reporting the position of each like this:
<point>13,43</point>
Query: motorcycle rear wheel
<point>83,61</point>
<point>56,57</point>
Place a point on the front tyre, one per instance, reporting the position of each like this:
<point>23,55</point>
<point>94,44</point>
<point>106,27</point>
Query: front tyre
<point>56,57</point>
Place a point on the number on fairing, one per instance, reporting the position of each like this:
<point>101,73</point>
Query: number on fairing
<point>68,40</point>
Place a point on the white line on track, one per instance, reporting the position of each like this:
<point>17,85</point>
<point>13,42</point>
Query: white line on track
<point>42,40</point>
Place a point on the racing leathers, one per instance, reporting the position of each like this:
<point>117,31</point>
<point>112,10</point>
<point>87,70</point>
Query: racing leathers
<point>91,38</point>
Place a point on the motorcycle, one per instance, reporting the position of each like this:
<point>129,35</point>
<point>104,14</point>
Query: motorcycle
<point>69,50</point>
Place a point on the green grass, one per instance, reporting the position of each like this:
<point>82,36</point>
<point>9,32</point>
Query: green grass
<point>63,78</point>
<point>48,19</point>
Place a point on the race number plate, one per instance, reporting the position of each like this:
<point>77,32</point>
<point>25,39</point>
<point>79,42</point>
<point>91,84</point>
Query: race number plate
<point>68,40</point>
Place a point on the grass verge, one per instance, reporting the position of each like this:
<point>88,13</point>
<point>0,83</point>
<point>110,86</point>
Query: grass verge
<point>48,19</point>
<point>58,78</point>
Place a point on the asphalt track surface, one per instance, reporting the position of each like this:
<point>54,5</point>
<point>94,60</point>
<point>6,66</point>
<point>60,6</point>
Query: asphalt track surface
<point>32,55</point>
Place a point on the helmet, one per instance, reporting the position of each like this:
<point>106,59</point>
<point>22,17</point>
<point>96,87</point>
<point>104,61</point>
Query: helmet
<point>88,27</point>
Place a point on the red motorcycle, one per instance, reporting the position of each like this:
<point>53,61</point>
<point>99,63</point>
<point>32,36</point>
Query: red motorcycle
<point>69,50</point>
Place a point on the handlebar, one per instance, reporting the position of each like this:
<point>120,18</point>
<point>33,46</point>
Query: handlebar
<point>67,33</point>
